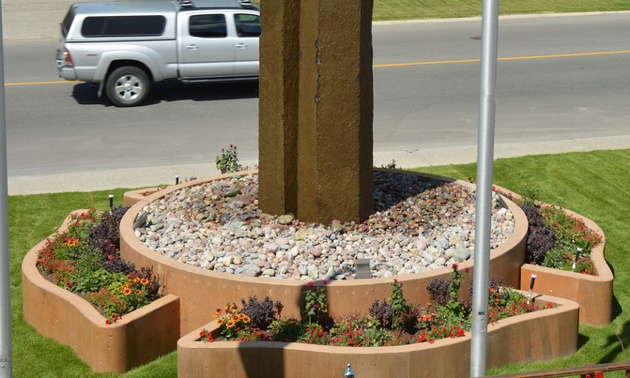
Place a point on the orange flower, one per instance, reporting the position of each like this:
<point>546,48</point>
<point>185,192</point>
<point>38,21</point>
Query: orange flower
<point>230,323</point>
<point>491,290</point>
<point>217,313</point>
<point>219,321</point>
<point>144,281</point>
<point>245,318</point>
<point>127,291</point>
<point>138,292</point>
<point>70,241</point>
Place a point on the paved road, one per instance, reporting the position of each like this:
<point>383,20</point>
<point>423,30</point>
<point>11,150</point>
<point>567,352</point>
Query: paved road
<point>454,147</point>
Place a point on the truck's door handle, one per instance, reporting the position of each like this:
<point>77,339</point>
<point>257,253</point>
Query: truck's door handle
<point>192,47</point>
<point>241,45</point>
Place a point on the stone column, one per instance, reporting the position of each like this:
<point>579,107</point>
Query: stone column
<point>278,106</point>
<point>322,143</point>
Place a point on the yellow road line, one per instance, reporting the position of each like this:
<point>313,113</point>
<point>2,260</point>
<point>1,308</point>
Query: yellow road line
<point>551,56</point>
<point>39,83</point>
<point>505,59</point>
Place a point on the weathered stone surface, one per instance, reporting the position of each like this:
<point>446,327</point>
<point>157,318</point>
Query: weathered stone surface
<point>316,110</point>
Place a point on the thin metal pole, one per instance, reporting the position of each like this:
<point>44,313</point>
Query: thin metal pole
<point>6,366</point>
<point>485,161</point>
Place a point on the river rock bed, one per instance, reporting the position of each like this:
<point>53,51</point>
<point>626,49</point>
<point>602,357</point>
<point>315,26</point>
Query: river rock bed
<point>419,224</point>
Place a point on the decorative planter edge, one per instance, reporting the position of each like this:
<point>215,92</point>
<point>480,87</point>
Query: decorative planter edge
<point>132,197</point>
<point>541,335</point>
<point>137,338</point>
<point>593,293</point>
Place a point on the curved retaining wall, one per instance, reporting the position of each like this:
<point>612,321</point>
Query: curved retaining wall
<point>537,336</point>
<point>137,338</point>
<point>201,291</point>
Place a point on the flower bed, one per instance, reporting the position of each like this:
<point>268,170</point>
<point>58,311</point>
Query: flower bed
<point>535,336</point>
<point>390,322</point>
<point>214,289</point>
<point>135,339</point>
<point>593,293</point>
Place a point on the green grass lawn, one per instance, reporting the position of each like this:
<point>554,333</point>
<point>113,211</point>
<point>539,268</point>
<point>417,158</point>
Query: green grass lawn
<point>594,184</point>
<point>417,9</point>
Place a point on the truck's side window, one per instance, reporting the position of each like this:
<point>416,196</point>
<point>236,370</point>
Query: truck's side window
<point>123,26</point>
<point>247,25</point>
<point>208,26</point>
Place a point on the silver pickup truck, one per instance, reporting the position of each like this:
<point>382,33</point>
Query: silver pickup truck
<point>125,46</point>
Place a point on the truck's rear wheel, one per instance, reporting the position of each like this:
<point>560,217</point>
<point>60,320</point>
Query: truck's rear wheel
<point>127,86</point>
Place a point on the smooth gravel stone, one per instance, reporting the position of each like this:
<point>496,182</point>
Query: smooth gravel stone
<point>269,272</point>
<point>461,254</point>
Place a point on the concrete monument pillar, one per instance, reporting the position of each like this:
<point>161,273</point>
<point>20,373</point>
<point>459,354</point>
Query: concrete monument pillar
<point>316,109</point>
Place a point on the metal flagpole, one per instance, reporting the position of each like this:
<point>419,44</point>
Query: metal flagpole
<point>485,161</point>
<point>6,365</point>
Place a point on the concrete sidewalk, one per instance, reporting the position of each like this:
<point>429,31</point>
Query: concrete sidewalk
<point>165,175</point>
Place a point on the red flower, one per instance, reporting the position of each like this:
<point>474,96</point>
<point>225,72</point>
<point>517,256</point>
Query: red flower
<point>422,337</point>
<point>310,284</point>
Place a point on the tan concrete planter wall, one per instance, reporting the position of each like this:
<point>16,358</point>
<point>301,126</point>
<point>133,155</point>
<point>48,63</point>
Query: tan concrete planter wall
<point>201,291</point>
<point>139,337</point>
<point>541,335</point>
<point>132,197</point>
<point>593,293</point>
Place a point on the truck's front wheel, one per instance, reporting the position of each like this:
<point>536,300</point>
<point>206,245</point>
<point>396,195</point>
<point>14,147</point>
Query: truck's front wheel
<point>127,86</point>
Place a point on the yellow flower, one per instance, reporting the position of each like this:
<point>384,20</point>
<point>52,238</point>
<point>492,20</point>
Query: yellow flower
<point>230,323</point>
<point>127,291</point>
<point>217,313</point>
<point>144,281</point>
<point>245,318</point>
<point>219,321</point>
